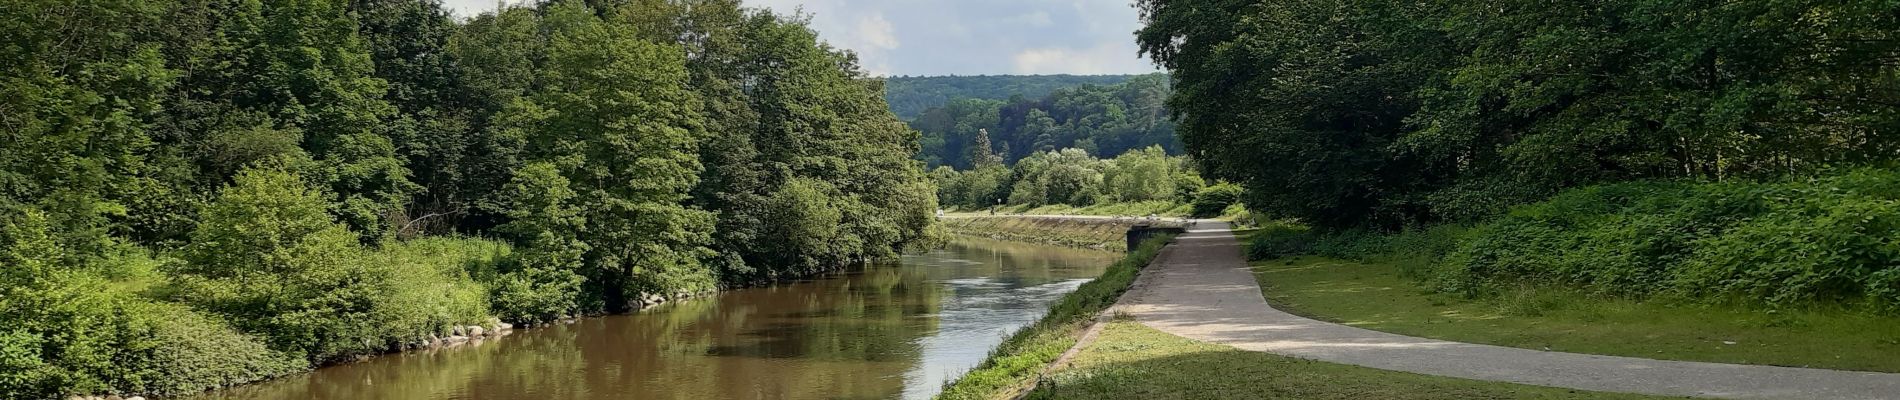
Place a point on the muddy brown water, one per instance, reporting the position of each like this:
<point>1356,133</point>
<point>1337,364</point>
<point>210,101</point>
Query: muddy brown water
<point>886,332</point>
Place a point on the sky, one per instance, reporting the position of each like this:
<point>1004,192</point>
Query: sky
<point>966,37</point>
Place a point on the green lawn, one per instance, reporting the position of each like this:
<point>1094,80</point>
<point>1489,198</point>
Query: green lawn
<point>1131,361</point>
<point>1375,296</point>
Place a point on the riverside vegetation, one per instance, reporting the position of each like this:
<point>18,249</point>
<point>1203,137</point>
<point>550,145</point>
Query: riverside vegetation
<point>1017,361</point>
<point>1696,154</point>
<point>1070,181</point>
<point>202,193</point>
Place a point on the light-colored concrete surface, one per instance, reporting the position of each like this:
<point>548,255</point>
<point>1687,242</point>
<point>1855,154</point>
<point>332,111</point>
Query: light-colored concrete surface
<point>1201,288</point>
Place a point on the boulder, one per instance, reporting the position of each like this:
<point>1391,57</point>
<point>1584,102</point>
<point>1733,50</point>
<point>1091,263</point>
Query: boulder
<point>504,326</point>
<point>476,331</point>
<point>458,330</point>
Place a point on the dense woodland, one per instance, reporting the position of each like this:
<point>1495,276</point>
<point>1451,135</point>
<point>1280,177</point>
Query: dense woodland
<point>1383,113</point>
<point>909,96</point>
<point>1723,151</point>
<point>1103,120</point>
<point>199,193</point>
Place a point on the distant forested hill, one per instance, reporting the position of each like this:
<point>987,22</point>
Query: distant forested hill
<point>910,96</point>
<point>1103,120</point>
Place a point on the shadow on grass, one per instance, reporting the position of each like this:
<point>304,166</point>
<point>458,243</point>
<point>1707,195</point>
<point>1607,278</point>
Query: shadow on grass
<point>1134,362</point>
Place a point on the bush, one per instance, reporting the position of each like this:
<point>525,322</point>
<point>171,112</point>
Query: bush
<point>268,257</point>
<point>189,352</point>
<point>83,338</point>
<point>430,287</point>
<point>1213,200</point>
<point>1832,240</point>
<point>532,296</point>
<point>1279,240</point>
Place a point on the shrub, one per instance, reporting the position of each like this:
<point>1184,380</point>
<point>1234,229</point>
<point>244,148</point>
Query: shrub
<point>80,337</point>
<point>1279,240</point>
<point>189,352</point>
<point>268,257</point>
<point>1833,239</point>
<point>1212,200</point>
<point>429,285</point>
<point>533,296</point>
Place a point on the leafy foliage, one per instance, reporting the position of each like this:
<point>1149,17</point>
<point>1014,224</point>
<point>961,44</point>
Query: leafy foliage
<point>1790,243</point>
<point>315,176</point>
<point>1072,177</point>
<point>268,257</point>
<point>1214,200</point>
<point>910,96</point>
<point>1401,113</point>
<point>1114,119</point>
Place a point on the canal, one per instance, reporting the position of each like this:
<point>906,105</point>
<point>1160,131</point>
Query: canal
<point>897,331</point>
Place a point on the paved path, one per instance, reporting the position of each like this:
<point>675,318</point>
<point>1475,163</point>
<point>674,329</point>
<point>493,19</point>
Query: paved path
<point>1201,288</point>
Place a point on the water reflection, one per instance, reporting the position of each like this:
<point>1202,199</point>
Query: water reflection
<point>895,331</point>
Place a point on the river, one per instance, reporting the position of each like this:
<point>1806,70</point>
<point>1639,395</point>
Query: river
<point>887,332</point>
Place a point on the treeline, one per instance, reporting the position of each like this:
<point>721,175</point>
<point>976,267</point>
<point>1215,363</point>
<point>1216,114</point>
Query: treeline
<point>1730,152</point>
<point>200,193</point>
<point>1093,118</point>
<point>1098,119</point>
<point>910,96</point>
<point>1386,113</point>
<point>1073,177</point>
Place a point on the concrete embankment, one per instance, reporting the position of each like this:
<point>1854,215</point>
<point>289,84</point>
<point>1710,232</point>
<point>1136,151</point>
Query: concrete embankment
<point>1104,233</point>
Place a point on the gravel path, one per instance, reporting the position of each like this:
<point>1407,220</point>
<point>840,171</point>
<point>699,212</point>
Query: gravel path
<point>1201,288</point>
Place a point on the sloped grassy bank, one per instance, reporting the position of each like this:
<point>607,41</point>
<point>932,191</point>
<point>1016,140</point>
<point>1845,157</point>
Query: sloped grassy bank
<point>1015,362</point>
<point>1801,272</point>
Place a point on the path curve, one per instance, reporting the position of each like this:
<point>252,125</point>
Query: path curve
<point>1201,288</point>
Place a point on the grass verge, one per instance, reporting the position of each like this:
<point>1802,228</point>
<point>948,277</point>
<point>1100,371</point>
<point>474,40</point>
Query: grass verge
<point>1378,296</point>
<point>1016,361</point>
<point>1131,361</point>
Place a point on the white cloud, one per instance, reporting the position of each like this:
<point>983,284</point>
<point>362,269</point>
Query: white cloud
<point>1036,19</point>
<point>876,31</point>
<point>966,37</point>
<point>1104,58</point>
<point>471,8</point>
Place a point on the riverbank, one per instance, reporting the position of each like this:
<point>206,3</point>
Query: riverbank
<point>1104,233</point>
<point>1138,208</point>
<point>889,330</point>
<point>1016,362</point>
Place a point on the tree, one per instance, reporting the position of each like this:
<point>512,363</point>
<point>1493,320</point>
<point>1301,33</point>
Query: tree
<point>1401,113</point>
<point>544,281</point>
<point>1069,176</point>
<point>982,154</point>
<point>1141,175</point>
<point>1099,119</point>
<point>612,112</point>
<point>269,256</point>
